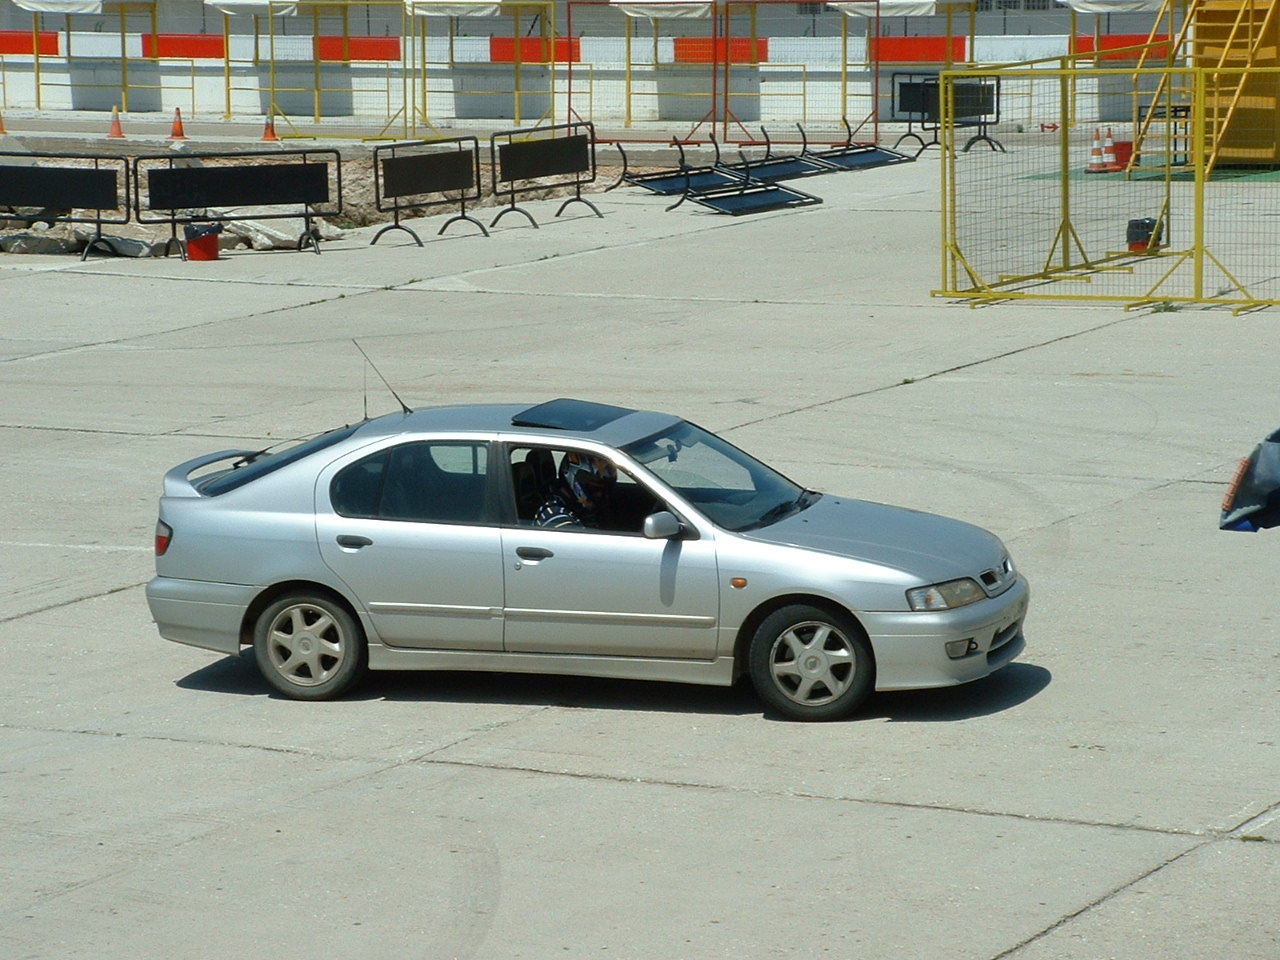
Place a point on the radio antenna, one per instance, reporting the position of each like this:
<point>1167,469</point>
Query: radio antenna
<point>403,406</point>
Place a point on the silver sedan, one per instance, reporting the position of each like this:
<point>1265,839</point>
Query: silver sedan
<point>571,538</point>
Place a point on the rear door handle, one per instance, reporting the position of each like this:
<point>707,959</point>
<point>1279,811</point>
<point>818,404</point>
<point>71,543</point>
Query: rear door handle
<point>533,553</point>
<point>346,540</point>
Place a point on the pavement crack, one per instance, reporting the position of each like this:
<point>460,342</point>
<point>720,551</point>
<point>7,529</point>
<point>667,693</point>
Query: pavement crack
<point>1099,901</point>
<point>61,604</point>
<point>181,741</point>
<point>792,795</point>
<point>871,391</point>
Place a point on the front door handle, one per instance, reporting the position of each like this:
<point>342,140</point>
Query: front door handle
<point>533,553</point>
<point>346,540</point>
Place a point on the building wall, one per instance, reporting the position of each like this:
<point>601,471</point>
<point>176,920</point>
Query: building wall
<point>788,62</point>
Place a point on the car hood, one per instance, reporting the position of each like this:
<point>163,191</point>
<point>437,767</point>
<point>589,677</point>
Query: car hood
<point>926,545</point>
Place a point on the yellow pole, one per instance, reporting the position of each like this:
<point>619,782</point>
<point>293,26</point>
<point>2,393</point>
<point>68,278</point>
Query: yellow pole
<point>426,77</point>
<point>271,53</point>
<point>1072,50</point>
<point>35,49</point>
<point>1197,153</point>
<point>950,34</point>
<point>549,21</point>
<point>346,35</point>
<point>124,59</point>
<point>518,64</point>
<point>1066,82</point>
<point>406,78</point>
<point>945,251</point>
<point>315,40</point>
<point>627,75</point>
<point>755,38</point>
<point>654,22</point>
<point>973,30</point>
<point>226,65</point>
<point>950,277</point>
<point>724,107</point>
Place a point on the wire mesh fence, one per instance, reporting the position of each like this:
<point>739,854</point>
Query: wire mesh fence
<point>732,66</point>
<point>1140,186</point>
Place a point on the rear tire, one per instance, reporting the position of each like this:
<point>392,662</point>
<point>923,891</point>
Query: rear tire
<point>811,664</point>
<point>309,647</point>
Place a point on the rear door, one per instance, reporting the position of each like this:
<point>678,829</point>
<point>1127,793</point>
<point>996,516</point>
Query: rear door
<point>409,528</point>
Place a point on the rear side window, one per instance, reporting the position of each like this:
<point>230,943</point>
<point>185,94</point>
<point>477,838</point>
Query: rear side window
<point>267,462</point>
<point>423,482</point>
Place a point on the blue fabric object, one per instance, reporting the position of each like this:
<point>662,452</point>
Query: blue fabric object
<point>1253,500</point>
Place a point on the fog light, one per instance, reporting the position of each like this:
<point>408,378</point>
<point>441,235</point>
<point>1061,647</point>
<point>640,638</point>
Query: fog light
<point>961,648</point>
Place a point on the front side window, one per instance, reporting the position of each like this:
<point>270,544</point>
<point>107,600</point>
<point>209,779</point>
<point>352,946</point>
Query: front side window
<point>734,490</point>
<point>425,482</point>
<point>577,491</point>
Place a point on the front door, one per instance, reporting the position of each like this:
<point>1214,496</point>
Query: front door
<point>608,592</point>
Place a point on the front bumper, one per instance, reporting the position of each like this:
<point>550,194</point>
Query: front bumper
<point>199,613</point>
<point>910,648</point>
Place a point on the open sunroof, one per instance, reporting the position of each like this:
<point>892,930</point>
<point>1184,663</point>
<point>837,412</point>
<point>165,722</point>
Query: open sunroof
<point>566,414</point>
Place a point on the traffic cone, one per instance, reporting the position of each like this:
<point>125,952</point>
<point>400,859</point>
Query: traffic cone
<point>116,132</point>
<point>3,131</point>
<point>1096,163</point>
<point>1109,154</point>
<point>178,133</point>
<point>269,130</point>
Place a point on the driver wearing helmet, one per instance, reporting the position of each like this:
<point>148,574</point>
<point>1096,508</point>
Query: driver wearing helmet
<point>580,494</point>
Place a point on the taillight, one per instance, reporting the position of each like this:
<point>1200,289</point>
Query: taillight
<point>164,536</point>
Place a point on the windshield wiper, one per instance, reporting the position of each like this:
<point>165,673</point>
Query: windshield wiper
<point>775,513</point>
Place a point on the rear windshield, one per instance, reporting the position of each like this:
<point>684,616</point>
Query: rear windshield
<point>269,461</point>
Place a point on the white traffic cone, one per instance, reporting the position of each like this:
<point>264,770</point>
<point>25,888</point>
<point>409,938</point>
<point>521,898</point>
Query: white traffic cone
<point>1109,154</point>
<point>1096,163</point>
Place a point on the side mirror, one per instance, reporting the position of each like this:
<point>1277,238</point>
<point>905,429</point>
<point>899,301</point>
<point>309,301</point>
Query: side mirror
<point>662,525</point>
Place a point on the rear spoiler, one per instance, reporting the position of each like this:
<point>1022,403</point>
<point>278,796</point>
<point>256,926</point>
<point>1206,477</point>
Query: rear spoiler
<point>177,482</point>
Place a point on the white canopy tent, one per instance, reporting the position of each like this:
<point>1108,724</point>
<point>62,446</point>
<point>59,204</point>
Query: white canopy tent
<point>256,8</point>
<point>59,6</point>
<point>452,8</point>
<point>664,9</point>
<point>1101,7</point>
<point>67,7</point>
<point>901,8</point>
<point>541,64</point>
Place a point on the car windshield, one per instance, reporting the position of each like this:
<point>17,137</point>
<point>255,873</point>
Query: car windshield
<point>734,490</point>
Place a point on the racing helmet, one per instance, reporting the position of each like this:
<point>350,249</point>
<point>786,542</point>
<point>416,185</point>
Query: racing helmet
<point>587,476</point>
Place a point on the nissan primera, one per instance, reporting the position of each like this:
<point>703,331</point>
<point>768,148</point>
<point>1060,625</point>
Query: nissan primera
<point>571,538</point>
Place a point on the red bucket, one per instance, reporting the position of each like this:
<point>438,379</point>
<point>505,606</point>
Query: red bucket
<point>203,248</point>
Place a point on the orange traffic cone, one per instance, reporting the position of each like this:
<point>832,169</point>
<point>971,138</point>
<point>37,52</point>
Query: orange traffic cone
<point>178,133</point>
<point>116,132</point>
<point>3,131</point>
<point>269,130</point>
<point>1096,163</point>
<point>1109,153</point>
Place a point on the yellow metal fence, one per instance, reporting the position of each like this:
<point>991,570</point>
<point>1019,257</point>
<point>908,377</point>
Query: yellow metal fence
<point>1142,200</point>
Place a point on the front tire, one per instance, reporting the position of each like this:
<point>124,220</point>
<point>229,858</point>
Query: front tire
<point>811,664</point>
<point>309,647</point>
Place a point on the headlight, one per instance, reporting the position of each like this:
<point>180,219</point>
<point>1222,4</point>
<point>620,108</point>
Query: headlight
<point>945,596</point>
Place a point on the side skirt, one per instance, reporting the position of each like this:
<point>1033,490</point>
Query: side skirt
<point>718,672</point>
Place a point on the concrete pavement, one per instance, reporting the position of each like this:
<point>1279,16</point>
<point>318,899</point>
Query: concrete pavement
<point>1114,794</point>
